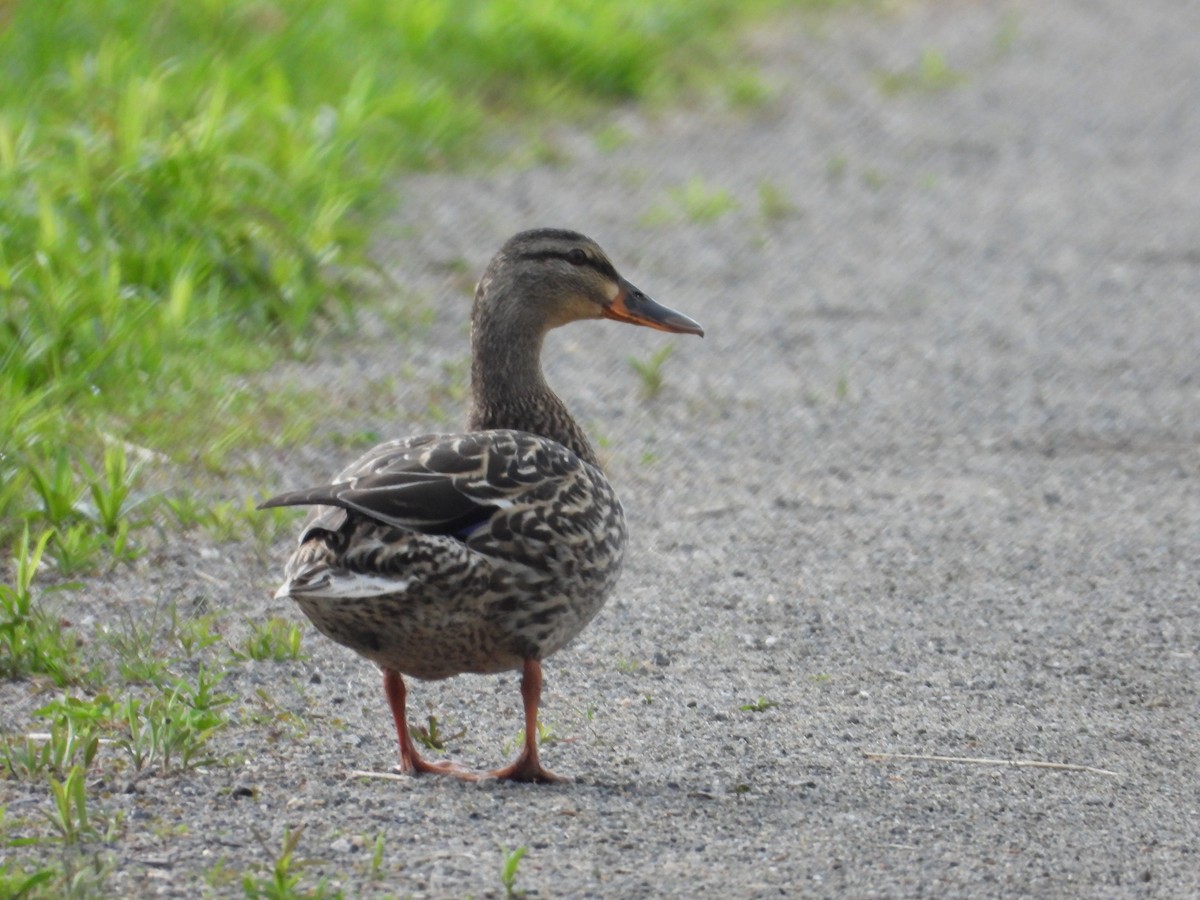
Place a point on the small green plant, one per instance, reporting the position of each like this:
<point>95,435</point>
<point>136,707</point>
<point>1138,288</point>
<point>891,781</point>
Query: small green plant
<point>30,641</point>
<point>283,724</point>
<point>25,758</point>
<point>55,484</point>
<point>195,634</point>
<point>650,370</point>
<point>85,714</point>
<point>202,696</point>
<point>72,741</point>
<point>77,548</point>
<point>171,730</point>
<point>85,533</point>
<point>267,524</point>
<point>17,884</point>
<point>231,520</point>
<point>146,646</point>
<point>276,640</point>
<point>138,659</point>
<point>221,875</point>
<point>508,871</point>
<point>747,90</point>
<point>874,178</point>
<point>931,73</point>
<point>79,874</point>
<point>695,201</point>
<point>430,735</point>
<point>773,204</point>
<point>144,740</point>
<point>282,883</point>
<point>545,737</point>
<point>70,815</point>
<point>1008,33</point>
<point>187,508</point>
<point>225,521</point>
<point>110,488</point>
<point>762,704</point>
<point>354,440</point>
<point>703,204</point>
<point>376,867</point>
<point>611,138</point>
<point>542,151</point>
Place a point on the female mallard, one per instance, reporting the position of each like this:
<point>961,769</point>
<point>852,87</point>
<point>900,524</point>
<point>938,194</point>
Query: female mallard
<point>488,550</point>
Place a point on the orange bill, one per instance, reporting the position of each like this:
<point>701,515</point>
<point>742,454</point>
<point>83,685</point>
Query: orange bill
<point>632,306</point>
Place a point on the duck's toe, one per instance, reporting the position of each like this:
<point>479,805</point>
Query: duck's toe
<point>421,766</point>
<point>527,770</point>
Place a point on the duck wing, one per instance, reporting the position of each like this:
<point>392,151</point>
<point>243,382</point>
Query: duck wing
<point>446,484</point>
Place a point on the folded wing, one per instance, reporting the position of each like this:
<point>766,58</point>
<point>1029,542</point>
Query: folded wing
<point>437,484</point>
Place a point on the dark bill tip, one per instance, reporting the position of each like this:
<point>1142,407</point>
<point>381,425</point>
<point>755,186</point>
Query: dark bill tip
<point>632,306</point>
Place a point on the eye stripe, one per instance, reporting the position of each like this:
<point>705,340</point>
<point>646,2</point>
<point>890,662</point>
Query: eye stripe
<point>603,266</point>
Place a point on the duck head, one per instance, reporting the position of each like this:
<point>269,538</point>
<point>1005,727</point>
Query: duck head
<point>547,277</point>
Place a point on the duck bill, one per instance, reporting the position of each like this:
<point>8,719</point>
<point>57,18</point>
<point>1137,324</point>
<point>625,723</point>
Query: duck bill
<point>632,306</point>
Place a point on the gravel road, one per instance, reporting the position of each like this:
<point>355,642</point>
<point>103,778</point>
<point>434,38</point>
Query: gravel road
<point>927,495</point>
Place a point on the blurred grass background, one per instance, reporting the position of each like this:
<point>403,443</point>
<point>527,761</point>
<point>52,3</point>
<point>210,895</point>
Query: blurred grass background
<point>186,188</point>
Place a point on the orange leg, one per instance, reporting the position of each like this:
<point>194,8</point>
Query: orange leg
<point>411,762</point>
<point>527,767</point>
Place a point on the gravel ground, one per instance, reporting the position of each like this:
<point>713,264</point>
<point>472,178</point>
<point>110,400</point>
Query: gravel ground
<point>928,486</point>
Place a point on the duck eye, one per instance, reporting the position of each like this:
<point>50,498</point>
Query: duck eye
<point>576,257</point>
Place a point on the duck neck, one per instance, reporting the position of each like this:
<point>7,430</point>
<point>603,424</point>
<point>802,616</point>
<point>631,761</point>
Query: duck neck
<point>508,389</point>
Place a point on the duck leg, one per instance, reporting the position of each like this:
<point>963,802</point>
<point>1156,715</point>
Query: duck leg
<point>527,767</point>
<point>411,762</point>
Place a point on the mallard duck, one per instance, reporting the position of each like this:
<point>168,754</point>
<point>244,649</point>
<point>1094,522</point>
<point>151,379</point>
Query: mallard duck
<point>484,551</point>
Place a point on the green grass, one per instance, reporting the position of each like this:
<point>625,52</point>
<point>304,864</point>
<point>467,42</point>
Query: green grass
<point>17,882</point>
<point>762,704</point>
<point>773,203</point>
<point>31,641</point>
<point>34,758</point>
<point>508,871</point>
<point>188,187</point>
<point>139,701</point>
<point>431,736</point>
<point>282,881</point>
<point>650,370</point>
<point>169,732</point>
<point>835,166</point>
<point>694,201</point>
<point>1008,33</point>
<point>930,73</point>
<point>546,736</point>
<point>275,640</point>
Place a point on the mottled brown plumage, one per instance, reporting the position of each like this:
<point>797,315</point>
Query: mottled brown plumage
<point>489,550</point>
